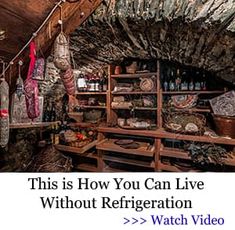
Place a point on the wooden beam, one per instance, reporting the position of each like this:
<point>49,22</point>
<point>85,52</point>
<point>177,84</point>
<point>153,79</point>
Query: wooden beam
<point>73,15</point>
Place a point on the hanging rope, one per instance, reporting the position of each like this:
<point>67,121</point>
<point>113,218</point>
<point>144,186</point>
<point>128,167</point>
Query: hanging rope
<point>58,4</point>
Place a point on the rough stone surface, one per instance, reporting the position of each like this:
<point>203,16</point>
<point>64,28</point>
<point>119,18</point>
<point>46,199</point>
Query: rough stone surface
<point>198,33</point>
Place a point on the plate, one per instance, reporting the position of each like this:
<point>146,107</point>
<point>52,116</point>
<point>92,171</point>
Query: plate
<point>123,142</point>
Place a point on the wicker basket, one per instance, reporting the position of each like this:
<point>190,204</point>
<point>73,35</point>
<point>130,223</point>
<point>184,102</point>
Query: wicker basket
<point>225,126</point>
<point>178,121</point>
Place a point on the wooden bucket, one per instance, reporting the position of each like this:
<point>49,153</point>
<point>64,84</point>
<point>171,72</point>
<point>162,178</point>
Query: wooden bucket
<point>225,126</point>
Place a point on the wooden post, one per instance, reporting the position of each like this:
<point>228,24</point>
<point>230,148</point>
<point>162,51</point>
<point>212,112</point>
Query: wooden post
<point>157,157</point>
<point>159,97</point>
<point>100,162</point>
<point>111,115</point>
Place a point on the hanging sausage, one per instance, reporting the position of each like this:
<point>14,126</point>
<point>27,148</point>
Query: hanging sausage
<point>4,112</point>
<point>31,87</point>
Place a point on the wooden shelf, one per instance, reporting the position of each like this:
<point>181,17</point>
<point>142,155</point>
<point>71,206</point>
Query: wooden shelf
<point>196,110</point>
<point>91,93</point>
<point>109,145</point>
<point>144,133</point>
<point>93,106</point>
<point>194,92</point>
<point>75,150</point>
<point>82,124</point>
<point>134,93</point>
<point>129,161</point>
<point>175,153</point>
<point>161,133</point>
<point>86,167</point>
<point>112,170</point>
<point>172,168</point>
<point>181,154</point>
<point>136,75</point>
<point>33,125</point>
<point>136,108</point>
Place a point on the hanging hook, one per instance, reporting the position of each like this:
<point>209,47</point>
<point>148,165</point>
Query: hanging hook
<point>60,22</point>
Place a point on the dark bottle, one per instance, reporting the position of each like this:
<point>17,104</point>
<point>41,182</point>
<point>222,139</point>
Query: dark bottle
<point>184,82</point>
<point>172,81</point>
<point>47,113</point>
<point>101,84</point>
<point>105,83</point>
<point>53,112</point>
<point>178,80</point>
<point>203,81</point>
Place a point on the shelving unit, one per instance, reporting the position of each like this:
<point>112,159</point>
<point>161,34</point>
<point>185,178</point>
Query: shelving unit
<point>152,155</point>
<point>159,152</point>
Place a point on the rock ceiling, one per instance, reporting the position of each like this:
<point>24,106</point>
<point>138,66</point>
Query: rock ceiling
<point>199,33</point>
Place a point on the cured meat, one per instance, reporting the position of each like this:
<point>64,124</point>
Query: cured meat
<point>31,87</point>
<point>68,81</point>
<point>4,113</point>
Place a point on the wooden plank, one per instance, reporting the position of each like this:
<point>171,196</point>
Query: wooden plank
<point>75,150</point>
<point>144,133</point>
<point>194,92</point>
<point>91,93</point>
<point>112,170</point>
<point>32,125</point>
<point>136,75</point>
<point>160,133</point>
<point>134,93</point>
<point>123,160</point>
<point>93,107</point>
<point>82,124</point>
<point>135,108</point>
<point>195,110</point>
<point>181,154</point>
<point>86,167</point>
<point>143,150</point>
<point>175,153</point>
<point>172,168</point>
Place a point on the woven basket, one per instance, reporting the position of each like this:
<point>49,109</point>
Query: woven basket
<point>177,122</point>
<point>225,126</point>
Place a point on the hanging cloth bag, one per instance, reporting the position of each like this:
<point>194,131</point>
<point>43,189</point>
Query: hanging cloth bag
<point>4,113</point>
<point>61,49</point>
<point>31,87</point>
<point>61,52</point>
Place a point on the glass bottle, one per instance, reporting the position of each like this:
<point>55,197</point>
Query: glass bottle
<point>172,83</point>
<point>184,83</point>
<point>53,112</point>
<point>178,80</point>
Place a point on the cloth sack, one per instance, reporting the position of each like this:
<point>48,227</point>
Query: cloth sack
<point>61,52</point>
<point>31,87</point>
